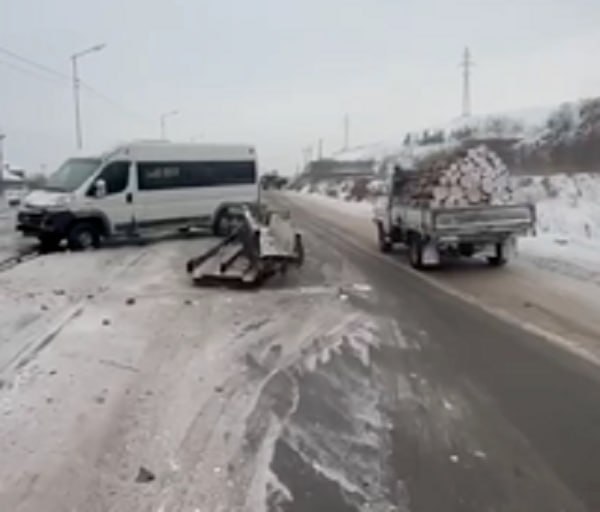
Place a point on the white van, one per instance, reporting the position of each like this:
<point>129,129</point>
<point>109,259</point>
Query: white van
<point>140,186</point>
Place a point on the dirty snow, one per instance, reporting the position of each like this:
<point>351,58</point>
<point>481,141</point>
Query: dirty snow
<point>112,362</point>
<point>38,297</point>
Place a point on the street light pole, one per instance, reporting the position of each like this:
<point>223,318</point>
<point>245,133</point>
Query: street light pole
<point>76,87</point>
<point>2,137</point>
<point>78,137</point>
<point>163,123</point>
<point>346,132</point>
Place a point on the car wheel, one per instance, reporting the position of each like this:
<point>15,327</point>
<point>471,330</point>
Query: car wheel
<point>384,244</point>
<point>499,259</point>
<point>415,252</point>
<point>83,236</point>
<point>299,250</point>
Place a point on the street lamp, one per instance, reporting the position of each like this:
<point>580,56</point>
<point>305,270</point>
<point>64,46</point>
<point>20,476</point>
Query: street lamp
<point>2,137</point>
<point>76,86</point>
<point>163,124</point>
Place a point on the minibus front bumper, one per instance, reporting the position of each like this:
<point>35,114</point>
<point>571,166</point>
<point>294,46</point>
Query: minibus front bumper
<point>43,222</point>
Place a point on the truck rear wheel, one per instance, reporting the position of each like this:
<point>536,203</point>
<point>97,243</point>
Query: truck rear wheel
<point>384,244</point>
<point>415,252</point>
<point>499,259</point>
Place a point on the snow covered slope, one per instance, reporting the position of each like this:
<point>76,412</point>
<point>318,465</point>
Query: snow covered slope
<point>546,140</point>
<point>567,205</point>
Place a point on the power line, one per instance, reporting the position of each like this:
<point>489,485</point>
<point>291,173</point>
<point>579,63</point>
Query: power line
<point>28,72</point>
<point>114,103</point>
<point>34,64</point>
<point>63,76</point>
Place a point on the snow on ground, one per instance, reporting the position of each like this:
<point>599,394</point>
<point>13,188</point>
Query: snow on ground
<point>111,361</point>
<point>39,296</point>
<point>568,223</point>
<point>567,205</point>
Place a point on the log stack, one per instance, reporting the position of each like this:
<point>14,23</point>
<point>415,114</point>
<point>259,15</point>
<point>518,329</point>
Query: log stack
<point>461,178</point>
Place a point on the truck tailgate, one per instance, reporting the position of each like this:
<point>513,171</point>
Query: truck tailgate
<point>509,219</point>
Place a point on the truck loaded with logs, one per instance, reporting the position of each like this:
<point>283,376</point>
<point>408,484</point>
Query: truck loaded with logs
<point>451,203</point>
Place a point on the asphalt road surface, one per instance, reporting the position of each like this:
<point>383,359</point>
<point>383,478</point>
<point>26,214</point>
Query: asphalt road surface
<point>481,414</point>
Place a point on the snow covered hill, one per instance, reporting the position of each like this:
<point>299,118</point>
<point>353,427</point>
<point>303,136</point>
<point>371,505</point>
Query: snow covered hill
<point>565,138</point>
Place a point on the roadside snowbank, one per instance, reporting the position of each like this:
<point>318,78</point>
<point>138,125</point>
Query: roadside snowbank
<point>567,205</point>
<point>568,223</point>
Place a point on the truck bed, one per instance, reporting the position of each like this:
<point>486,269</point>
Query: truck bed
<point>476,222</point>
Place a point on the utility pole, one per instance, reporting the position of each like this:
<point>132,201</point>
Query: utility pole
<point>76,87</point>
<point>2,137</point>
<point>466,64</point>
<point>346,132</point>
<point>320,149</point>
<point>163,123</point>
<point>307,155</point>
<point>78,136</point>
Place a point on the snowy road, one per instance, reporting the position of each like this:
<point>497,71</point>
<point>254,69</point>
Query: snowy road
<point>553,290</point>
<point>520,395</point>
<point>350,385</point>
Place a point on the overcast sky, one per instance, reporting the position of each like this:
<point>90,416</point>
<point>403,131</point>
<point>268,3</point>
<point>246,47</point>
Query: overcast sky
<point>281,74</point>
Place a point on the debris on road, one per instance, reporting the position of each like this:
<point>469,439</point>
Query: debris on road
<point>259,247</point>
<point>447,405</point>
<point>130,301</point>
<point>144,476</point>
